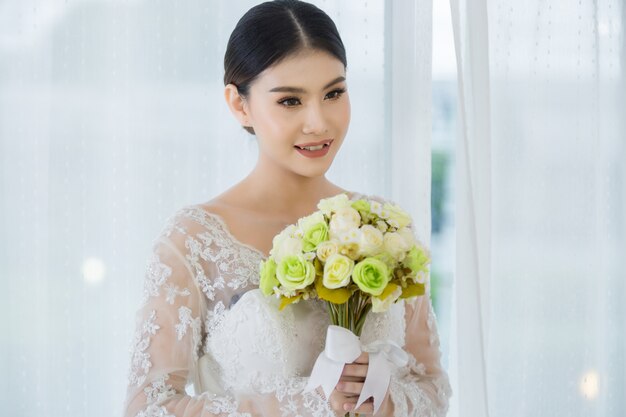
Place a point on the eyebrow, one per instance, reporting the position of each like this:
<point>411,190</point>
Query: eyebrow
<point>302,90</point>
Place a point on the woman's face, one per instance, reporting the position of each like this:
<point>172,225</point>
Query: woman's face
<point>301,100</point>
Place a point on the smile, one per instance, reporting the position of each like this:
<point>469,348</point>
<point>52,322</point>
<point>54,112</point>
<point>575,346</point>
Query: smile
<point>315,146</point>
<point>314,150</point>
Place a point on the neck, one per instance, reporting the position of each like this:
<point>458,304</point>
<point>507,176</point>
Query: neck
<point>278,190</point>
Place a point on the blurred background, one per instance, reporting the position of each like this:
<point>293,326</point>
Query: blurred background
<point>112,117</point>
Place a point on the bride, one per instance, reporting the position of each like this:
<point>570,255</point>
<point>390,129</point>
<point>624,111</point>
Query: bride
<point>207,342</point>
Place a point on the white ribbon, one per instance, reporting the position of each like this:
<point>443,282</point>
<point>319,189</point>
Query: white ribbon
<point>342,347</point>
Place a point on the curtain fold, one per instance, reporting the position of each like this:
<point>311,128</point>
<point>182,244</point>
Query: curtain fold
<point>473,207</point>
<point>408,73</point>
<point>541,203</point>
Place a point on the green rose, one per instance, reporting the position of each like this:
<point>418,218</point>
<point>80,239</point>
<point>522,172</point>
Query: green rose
<point>314,235</point>
<point>314,231</point>
<point>268,277</point>
<point>361,205</point>
<point>337,271</point>
<point>371,275</point>
<point>294,272</point>
<point>416,259</point>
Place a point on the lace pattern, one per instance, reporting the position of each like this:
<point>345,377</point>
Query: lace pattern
<point>159,390</point>
<point>140,362</point>
<point>154,410</point>
<point>156,275</point>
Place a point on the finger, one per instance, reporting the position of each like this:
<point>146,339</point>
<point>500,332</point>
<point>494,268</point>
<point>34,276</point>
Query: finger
<point>352,379</point>
<point>349,388</point>
<point>353,370</point>
<point>366,408</point>
<point>364,357</point>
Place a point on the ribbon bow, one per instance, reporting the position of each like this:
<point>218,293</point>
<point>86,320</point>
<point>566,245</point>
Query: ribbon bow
<point>343,346</point>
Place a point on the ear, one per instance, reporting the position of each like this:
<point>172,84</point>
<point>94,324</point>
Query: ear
<point>237,104</point>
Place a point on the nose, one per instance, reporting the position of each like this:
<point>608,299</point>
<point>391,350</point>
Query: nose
<point>315,121</point>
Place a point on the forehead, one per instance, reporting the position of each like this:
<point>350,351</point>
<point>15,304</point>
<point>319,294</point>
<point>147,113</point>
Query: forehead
<point>311,70</point>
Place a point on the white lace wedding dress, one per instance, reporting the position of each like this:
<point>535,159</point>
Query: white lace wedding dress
<point>208,343</point>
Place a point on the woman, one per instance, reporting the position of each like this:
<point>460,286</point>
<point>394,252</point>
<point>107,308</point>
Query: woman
<point>203,325</point>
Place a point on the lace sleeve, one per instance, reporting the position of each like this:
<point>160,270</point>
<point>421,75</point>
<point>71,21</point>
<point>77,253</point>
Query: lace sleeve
<point>422,387</point>
<point>178,292</point>
<point>167,338</point>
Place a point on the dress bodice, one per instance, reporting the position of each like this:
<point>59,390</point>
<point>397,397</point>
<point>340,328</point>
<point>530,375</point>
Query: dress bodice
<point>254,344</point>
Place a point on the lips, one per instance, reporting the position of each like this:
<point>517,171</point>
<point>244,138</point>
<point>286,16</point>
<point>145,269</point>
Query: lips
<point>322,142</point>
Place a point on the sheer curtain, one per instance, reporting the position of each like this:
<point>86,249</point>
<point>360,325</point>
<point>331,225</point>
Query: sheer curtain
<point>541,194</point>
<point>112,117</point>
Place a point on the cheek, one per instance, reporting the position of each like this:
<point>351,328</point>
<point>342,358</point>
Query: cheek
<point>277,121</point>
<point>341,114</point>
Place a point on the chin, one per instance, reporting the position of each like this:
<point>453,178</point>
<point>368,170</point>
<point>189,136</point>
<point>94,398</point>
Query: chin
<point>311,171</point>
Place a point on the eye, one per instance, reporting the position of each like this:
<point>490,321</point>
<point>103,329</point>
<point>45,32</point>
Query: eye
<point>335,94</point>
<point>289,101</point>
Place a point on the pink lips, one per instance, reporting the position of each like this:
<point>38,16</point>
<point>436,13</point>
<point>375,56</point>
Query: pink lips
<point>302,145</point>
<point>314,154</point>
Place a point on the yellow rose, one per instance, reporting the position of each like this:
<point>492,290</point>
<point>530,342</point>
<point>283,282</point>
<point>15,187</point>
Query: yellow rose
<point>351,250</point>
<point>337,271</point>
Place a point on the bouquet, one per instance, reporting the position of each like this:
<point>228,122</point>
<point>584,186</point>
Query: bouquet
<point>358,256</point>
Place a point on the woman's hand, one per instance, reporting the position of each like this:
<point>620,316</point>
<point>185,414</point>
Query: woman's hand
<point>345,395</point>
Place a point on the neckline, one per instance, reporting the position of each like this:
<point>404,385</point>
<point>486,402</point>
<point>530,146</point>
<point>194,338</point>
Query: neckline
<point>233,238</point>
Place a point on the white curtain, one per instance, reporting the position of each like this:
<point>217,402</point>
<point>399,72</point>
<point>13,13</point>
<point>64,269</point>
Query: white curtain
<point>541,204</point>
<point>111,117</point>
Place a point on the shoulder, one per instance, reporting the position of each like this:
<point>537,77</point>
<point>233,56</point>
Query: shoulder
<point>188,221</point>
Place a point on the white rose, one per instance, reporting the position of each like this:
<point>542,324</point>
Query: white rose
<point>395,245</point>
<point>286,243</point>
<point>344,237</point>
<point>408,236</point>
<point>371,240</point>
<point>344,219</point>
<point>333,204</point>
<point>326,249</point>
<point>307,222</point>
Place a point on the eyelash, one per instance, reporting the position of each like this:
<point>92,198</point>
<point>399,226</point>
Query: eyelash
<point>339,92</point>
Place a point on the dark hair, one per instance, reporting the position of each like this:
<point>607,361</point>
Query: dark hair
<point>271,31</point>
